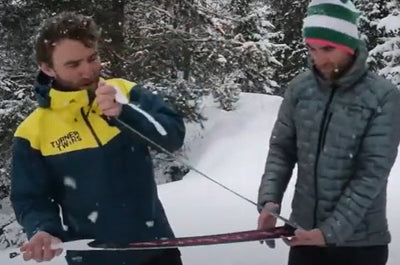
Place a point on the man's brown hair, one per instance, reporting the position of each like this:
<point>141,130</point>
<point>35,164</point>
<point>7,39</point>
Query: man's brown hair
<point>66,25</point>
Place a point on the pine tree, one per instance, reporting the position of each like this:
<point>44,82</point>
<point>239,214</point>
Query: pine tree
<point>288,18</point>
<point>204,45</point>
<point>385,57</point>
<point>240,7</point>
<point>372,11</point>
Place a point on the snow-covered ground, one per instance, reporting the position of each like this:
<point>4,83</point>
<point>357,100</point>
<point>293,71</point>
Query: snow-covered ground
<point>232,150</point>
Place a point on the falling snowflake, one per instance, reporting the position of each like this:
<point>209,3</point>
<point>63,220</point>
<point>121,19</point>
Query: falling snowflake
<point>150,224</point>
<point>93,217</point>
<point>70,182</point>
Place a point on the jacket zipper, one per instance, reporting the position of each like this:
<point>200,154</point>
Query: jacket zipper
<point>85,118</point>
<point>325,130</point>
<point>326,119</point>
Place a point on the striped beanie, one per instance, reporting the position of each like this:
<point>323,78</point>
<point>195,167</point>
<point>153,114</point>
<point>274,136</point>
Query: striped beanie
<point>332,22</point>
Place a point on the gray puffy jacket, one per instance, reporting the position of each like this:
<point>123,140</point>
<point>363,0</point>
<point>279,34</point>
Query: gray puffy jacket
<point>344,138</point>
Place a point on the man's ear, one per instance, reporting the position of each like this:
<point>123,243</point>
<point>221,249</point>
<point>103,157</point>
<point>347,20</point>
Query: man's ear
<point>47,69</point>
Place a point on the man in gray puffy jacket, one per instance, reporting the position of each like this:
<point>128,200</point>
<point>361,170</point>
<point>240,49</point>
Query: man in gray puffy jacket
<point>340,124</point>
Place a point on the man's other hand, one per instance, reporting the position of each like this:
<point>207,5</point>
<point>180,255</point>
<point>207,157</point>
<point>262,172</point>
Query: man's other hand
<point>39,247</point>
<point>312,237</point>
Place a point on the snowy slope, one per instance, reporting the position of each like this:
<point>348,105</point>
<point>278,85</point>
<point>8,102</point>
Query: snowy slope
<point>233,151</point>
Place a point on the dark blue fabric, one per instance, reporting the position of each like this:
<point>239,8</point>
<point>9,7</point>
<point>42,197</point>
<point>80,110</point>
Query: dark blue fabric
<point>114,180</point>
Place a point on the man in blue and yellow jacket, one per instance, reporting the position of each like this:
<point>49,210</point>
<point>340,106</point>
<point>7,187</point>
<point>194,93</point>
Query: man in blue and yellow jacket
<point>75,175</point>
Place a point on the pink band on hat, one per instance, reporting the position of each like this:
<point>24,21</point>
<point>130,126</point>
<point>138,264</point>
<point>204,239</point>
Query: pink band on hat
<point>329,43</point>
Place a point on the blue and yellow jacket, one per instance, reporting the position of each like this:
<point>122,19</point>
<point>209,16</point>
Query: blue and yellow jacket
<point>71,167</point>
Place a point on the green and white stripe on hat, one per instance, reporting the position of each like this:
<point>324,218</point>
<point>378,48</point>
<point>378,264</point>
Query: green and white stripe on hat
<point>333,21</point>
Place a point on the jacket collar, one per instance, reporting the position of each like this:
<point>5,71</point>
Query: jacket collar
<point>42,87</point>
<point>49,97</point>
<point>63,99</point>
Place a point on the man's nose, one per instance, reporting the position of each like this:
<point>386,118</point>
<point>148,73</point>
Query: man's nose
<point>86,70</point>
<point>320,59</point>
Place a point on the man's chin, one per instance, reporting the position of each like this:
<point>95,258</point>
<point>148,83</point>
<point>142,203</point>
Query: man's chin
<point>331,74</point>
<point>328,74</point>
<point>88,86</point>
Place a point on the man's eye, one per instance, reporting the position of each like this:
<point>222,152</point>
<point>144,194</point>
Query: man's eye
<point>73,65</point>
<point>329,49</point>
<point>93,58</point>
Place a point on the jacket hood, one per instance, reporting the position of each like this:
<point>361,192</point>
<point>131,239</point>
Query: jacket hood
<point>42,87</point>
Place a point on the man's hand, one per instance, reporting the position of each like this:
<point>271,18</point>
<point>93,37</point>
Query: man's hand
<point>105,97</point>
<point>39,247</point>
<point>312,237</point>
<point>266,220</point>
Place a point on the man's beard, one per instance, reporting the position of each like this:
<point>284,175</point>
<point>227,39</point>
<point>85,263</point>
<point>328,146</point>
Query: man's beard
<point>63,85</point>
<point>333,74</point>
<point>336,72</point>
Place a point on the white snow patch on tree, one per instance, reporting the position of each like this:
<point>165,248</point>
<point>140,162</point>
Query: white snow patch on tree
<point>390,23</point>
<point>221,59</point>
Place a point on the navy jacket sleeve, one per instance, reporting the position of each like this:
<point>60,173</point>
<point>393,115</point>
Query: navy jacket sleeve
<point>155,119</point>
<point>31,192</point>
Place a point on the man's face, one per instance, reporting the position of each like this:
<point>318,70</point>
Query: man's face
<point>75,66</point>
<point>329,61</point>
